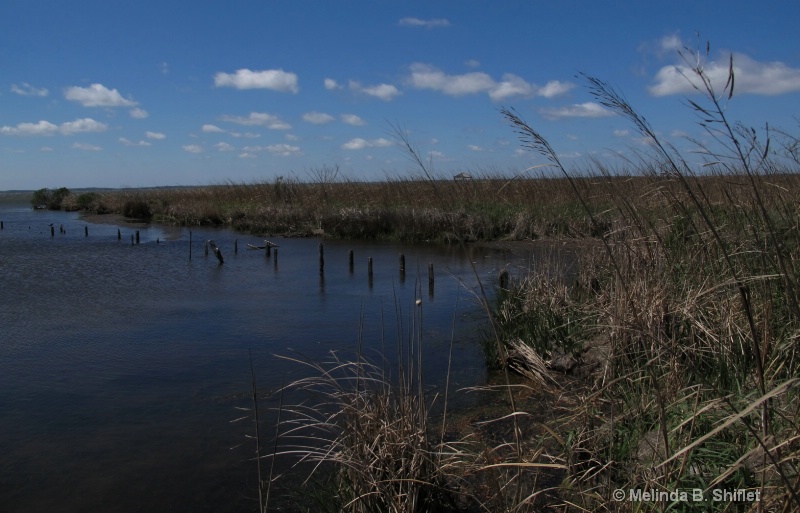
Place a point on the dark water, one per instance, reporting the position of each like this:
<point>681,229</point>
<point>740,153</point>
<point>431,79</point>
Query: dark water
<point>121,366</point>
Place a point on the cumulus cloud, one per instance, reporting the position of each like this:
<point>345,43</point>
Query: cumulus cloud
<point>751,76</point>
<point>274,79</point>
<point>424,76</point>
<point>97,95</point>
<point>138,113</point>
<point>86,147</point>
<point>82,125</point>
<point>41,128</point>
<point>317,118</point>
<point>283,149</point>
<point>128,142</point>
<point>211,129</point>
<point>352,119</point>
<point>578,110</point>
<point>385,92</point>
<point>155,135</point>
<point>259,119</point>
<point>331,84</point>
<point>359,144</point>
<point>46,128</point>
<point>193,148</point>
<point>420,23</point>
<point>25,89</point>
<point>474,147</point>
<point>223,146</point>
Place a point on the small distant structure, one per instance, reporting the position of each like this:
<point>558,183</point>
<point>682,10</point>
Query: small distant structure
<point>462,177</point>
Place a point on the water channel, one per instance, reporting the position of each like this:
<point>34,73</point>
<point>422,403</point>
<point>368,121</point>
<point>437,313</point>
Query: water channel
<point>122,365</point>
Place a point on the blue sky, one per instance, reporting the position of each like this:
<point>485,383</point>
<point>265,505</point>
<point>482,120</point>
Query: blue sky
<point>135,94</point>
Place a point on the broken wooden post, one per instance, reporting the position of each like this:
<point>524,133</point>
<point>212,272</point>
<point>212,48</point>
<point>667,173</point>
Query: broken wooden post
<point>86,231</point>
<point>321,259</point>
<point>430,279</point>
<point>52,231</point>
<point>236,247</point>
<point>504,279</point>
<point>216,250</point>
<point>119,234</point>
<point>350,256</point>
<point>137,236</point>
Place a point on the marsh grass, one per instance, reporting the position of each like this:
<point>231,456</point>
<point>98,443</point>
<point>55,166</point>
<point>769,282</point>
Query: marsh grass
<point>695,296</point>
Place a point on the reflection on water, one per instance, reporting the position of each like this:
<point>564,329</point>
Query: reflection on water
<point>121,365</point>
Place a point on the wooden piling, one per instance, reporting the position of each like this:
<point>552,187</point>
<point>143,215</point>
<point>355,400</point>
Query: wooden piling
<point>131,239</point>
<point>430,279</point>
<point>504,279</point>
<point>61,229</point>
<point>52,231</point>
<point>119,234</point>
<point>190,245</point>
<point>321,258</point>
<point>276,258</point>
<point>236,246</point>
<point>350,255</point>
<point>137,236</point>
<point>1,225</point>
<point>216,250</point>
<point>369,271</point>
<point>85,231</point>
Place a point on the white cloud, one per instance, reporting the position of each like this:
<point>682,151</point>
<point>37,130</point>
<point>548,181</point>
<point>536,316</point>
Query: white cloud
<point>223,146</point>
<point>138,113</point>
<point>554,88</point>
<point>417,22</point>
<point>246,135</point>
<point>424,76</point>
<point>246,155</point>
<point>211,129</point>
<point>352,119</point>
<point>28,90</point>
<point>474,147</point>
<point>578,110</point>
<point>82,125</point>
<point>472,63</point>
<point>46,128</point>
<point>128,142</point>
<point>621,133</point>
<point>97,95</point>
<point>317,118</point>
<point>86,147</point>
<point>41,128</point>
<point>511,86</point>
<point>259,119</point>
<point>331,84</point>
<point>46,148</point>
<point>385,92</point>
<point>275,79</point>
<point>751,76</point>
<point>193,148</point>
<point>155,135</point>
<point>359,144</point>
<point>283,149</point>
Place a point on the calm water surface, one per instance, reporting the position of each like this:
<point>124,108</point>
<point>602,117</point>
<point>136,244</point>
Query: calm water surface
<point>121,366</point>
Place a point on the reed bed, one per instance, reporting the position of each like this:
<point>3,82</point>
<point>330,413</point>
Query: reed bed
<point>690,308</point>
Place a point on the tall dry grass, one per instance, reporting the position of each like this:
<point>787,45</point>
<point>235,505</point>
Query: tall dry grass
<point>693,299</point>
